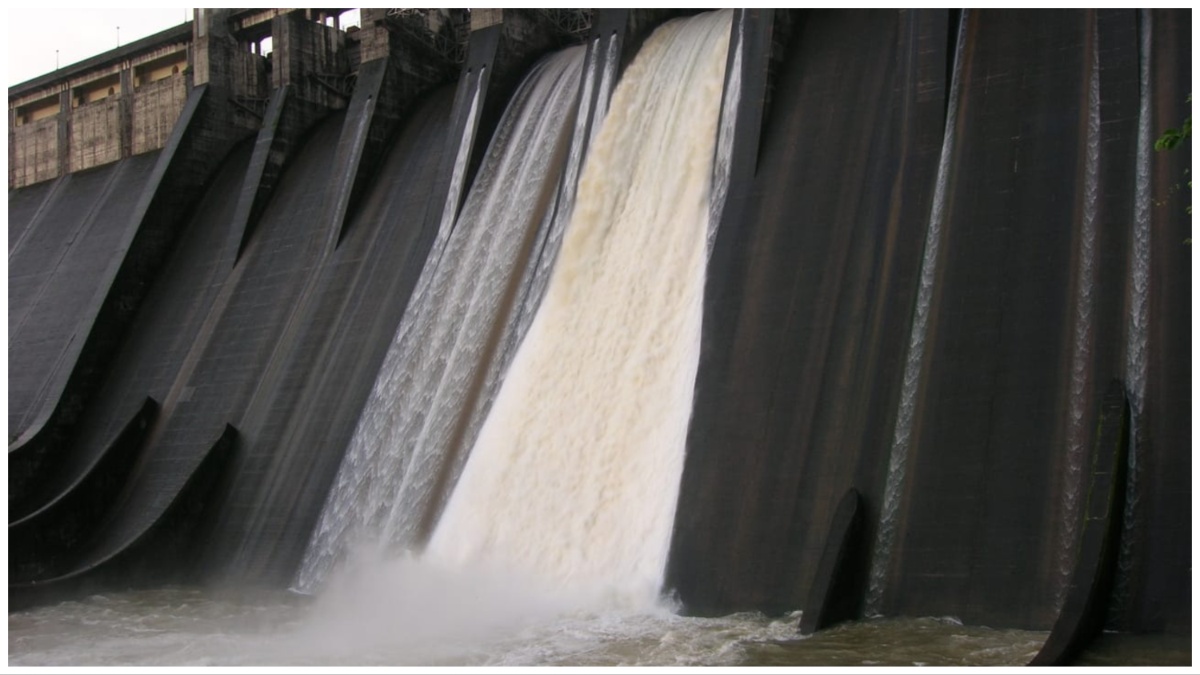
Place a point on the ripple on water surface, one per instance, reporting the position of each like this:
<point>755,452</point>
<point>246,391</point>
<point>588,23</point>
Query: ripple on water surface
<point>406,613</point>
<point>184,627</point>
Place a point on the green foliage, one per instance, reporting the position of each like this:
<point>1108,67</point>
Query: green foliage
<point>1172,138</point>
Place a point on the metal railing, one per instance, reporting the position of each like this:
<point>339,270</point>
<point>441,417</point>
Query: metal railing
<point>576,23</point>
<point>443,31</point>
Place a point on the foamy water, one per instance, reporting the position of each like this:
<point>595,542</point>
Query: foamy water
<point>405,613</point>
<point>575,474</point>
<point>458,333</point>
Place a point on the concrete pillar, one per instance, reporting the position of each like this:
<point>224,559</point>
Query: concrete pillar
<point>125,112</point>
<point>212,47</point>
<point>304,48</point>
<point>64,131</point>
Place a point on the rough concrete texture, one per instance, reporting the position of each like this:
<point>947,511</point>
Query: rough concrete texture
<point>42,544</point>
<point>34,153</point>
<point>96,134</point>
<point>1084,610</point>
<point>156,107</point>
<point>102,269</point>
<point>285,348</point>
<point>983,497</point>
<point>396,77</point>
<point>68,121</point>
<point>54,274</point>
<point>161,332</point>
<point>1156,568</point>
<point>305,51</point>
<point>224,356</point>
<point>304,48</point>
<point>25,207</point>
<point>306,405</point>
<point>808,298</point>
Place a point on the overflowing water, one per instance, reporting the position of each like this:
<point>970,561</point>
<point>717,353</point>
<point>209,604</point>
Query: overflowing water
<point>611,56</point>
<point>458,334</point>
<point>902,437</point>
<point>724,155</point>
<point>575,474</point>
<point>459,172</point>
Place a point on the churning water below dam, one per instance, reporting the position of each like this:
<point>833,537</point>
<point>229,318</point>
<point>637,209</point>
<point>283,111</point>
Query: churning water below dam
<point>409,613</point>
<point>439,619</point>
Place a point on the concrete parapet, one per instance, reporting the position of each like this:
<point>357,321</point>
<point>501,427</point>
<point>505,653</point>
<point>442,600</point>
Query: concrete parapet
<point>34,153</point>
<point>88,114</point>
<point>156,107</point>
<point>95,133</point>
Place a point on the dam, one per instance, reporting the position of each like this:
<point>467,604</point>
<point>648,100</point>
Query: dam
<point>823,315</point>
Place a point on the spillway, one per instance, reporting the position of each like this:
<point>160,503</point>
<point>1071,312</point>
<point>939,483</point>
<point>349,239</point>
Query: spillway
<point>459,333</point>
<point>63,256</point>
<point>902,437</point>
<point>1083,333</point>
<point>924,244</point>
<point>304,411</point>
<point>575,473</point>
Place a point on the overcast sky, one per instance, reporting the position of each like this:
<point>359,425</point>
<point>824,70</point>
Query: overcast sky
<point>77,34</point>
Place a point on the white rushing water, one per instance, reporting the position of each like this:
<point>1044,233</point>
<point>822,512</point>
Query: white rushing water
<point>611,55</point>
<point>458,333</point>
<point>574,477</point>
<point>457,175</point>
<point>902,437</point>
<point>724,156</point>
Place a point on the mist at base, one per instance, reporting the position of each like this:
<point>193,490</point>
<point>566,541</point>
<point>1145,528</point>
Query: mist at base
<point>419,611</point>
<point>400,611</point>
<point>373,611</point>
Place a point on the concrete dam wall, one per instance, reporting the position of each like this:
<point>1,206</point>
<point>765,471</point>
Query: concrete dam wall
<point>935,240</point>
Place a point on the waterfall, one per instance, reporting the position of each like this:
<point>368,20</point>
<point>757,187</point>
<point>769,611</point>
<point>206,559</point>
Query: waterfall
<point>902,436</point>
<point>611,55</point>
<point>1083,337</point>
<point>459,332</point>
<point>733,92</point>
<point>551,241</point>
<point>450,208</point>
<point>575,475</point>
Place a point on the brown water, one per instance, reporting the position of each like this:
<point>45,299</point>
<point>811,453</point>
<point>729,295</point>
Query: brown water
<point>482,625</point>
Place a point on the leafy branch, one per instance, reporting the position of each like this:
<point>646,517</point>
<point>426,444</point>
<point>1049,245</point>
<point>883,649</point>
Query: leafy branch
<point>1172,138</point>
